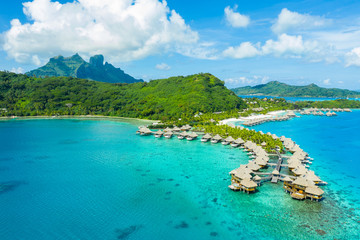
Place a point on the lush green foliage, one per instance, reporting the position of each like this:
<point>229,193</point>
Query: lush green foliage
<point>281,89</point>
<point>338,103</point>
<point>75,66</point>
<point>245,134</point>
<point>165,99</point>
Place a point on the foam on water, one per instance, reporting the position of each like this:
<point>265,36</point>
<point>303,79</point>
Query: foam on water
<point>72,179</point>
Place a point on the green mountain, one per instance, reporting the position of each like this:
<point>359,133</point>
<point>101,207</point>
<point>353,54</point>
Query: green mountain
<point>275,88</point>
<point>162,99</point>
<point>76,67</point>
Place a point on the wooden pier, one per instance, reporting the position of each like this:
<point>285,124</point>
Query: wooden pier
<point>275,178</point>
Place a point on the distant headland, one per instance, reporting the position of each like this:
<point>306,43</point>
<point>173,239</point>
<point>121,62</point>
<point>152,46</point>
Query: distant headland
<point>276,88</point>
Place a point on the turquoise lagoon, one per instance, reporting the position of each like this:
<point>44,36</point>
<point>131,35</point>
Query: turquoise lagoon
<point>91,179</point>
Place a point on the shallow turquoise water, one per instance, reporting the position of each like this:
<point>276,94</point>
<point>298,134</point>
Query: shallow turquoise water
<point>77,179</point>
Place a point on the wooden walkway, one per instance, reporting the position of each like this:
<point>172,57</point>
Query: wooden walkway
<point>275,179</point>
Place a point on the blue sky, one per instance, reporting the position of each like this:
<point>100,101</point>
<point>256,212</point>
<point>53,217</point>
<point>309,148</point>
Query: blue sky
<point>241,42</point>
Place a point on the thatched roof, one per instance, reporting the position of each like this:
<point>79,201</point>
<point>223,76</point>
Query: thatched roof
<point>176,129</point>
<point>159,132</point>
<point>275,172</point>
<point>315,190</point>
<point>193,135</point>
<point>183,134</point>
<point>257,178</point>
<point>287,179</point>
<point>217,137</point>
<point>229,139</point>
<point>167,129</point>
<point>145,130</point>
<point>301,181</point>
<point>206,136</point>
<point>239,141</point>
<point>168,133</point>
<point>248,183</point>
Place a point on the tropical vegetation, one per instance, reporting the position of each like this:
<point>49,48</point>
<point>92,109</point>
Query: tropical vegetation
<point>276,88</point>
<point>166,99</point>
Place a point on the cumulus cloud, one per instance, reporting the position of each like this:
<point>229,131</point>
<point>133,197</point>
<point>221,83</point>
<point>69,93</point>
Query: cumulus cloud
<point>236,19</point>
<point>327,81</point>
<point>287,46</point>
<point>162,66</point>
<point>250,80</point>
<point>122,30</point>
<point>352,58</point>
<point>288,20</point>
<point>244,50</point>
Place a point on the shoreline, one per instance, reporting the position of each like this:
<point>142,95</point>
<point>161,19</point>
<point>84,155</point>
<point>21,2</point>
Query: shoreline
<point>254,117</point>
<point>84,117</point>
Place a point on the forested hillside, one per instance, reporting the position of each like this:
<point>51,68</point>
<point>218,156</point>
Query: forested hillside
<point>163,99</point>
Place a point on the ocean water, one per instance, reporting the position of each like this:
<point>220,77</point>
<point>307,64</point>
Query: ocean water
<point>82,179</point>
<point>295,99</point>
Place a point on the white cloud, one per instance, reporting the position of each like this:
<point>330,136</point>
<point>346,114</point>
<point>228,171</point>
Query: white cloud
<point>17,70</point>
<point>327,81</point>
<point>287,45</point>
<point>288,20</point>
<point>352,58</point>
<point>122,30</point>
<point>244,50</point>
<point>251,80</point>
<point>236,19</point>
<point>162,66</point>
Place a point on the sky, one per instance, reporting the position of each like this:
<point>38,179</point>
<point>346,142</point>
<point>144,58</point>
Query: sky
<point>242,42</point>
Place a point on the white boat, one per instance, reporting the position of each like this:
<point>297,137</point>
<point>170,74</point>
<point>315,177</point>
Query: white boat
<point>180,137</point>
<point>234,144</point>
<point>205,139</point>
<point>225,143</point>
<point>214,141</point>
<point>168,136</point>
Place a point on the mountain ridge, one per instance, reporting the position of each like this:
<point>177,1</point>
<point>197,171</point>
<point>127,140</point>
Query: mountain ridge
<point>279,89</point>
<point>75,66</point>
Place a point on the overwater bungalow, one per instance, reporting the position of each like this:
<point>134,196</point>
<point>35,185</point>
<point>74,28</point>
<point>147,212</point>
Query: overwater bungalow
<point>314,193</point>
<point>216,139</point>
<point>248,185</point>
<point>185,128</point>
<point>191,136</point>
<point>158,134</point>
<point>182,135</point>
<point>206,138</point>
<point>263,144</point>
<point>228,140</point>
<point>237,142</point>
<point>145,131</point>
<point>275,172</point>
<point>167,129</point>
<point>176,129</point>
<point>168,134</point>
<point>253,166</point>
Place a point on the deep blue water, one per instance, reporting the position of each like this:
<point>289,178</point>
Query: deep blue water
<point>82,179</point>
<point>295,99</point>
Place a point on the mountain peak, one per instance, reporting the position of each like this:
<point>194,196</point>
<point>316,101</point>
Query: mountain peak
<point>97,60</point>
<point>75,66</point>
